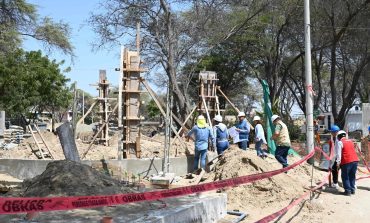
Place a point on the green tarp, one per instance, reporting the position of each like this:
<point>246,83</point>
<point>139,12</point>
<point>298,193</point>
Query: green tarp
<point>269,126</point>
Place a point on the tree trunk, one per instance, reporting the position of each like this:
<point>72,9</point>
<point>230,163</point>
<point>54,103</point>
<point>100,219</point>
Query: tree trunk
<point>179,96</point>
<point>67,140</point>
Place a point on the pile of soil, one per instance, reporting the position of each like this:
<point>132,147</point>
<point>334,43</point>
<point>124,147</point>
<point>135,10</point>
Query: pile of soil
<point>69,178</point>
<point>258,197</point>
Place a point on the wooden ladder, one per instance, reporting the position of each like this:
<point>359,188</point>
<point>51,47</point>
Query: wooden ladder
<point>43,148</point>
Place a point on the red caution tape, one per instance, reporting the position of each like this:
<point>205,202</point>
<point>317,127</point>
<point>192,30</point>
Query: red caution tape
<point>324,153</point>
<point>271,217</point>
<point>39,204</point>
<point>294,203</point>
<point>363,158</point>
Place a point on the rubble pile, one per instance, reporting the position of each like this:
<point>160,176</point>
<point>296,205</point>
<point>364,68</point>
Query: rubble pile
<point>69,178</point>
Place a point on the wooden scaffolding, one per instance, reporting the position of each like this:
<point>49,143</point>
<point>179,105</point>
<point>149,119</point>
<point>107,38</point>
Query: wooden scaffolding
<point>104,108</point>
<point>208,101</point>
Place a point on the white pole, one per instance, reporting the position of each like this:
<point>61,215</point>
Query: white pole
<point>308,74</point>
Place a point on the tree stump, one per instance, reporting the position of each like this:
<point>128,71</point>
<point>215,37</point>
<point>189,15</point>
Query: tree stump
<point>67,140</point>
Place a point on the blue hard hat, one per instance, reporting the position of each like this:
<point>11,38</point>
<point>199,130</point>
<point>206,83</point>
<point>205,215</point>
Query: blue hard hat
<point>334,128</point>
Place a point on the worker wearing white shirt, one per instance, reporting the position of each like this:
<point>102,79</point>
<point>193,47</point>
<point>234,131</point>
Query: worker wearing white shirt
<point>334,144</point>
<point>347,160</point>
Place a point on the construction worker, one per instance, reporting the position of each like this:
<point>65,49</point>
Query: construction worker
<point>334,144</point>
<point>347,160</point>
<point>243,128</point>
<point>202,134</point>
<point>282,140</point>
<point>259,137</point>
<point>222,135</point>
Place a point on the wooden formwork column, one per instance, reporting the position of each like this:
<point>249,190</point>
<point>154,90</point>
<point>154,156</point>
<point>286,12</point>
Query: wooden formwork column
<point>131,104</point>
<point>207,93</point>
<point>104,107</point>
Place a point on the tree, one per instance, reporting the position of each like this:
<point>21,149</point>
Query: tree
<point>153,110</point>
<point>19,19</point>
<point>30,81</point>
<point>170,37</point>
<point>230,60</point>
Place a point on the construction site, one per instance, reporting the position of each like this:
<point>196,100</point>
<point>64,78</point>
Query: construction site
<point>125,168</point>
<point>125,160</point>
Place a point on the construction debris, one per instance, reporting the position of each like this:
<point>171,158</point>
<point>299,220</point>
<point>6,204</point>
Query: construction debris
<point>69,178</point>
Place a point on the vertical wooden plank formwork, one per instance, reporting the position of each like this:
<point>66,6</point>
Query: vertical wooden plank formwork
<point>131,94</point>
<point>207,92</point>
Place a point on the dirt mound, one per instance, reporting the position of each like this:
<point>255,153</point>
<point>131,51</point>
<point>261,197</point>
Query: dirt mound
<point>68,178</point>
<point>272,192</point>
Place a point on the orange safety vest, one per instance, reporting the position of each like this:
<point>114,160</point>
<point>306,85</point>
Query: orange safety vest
<point>349,154</point>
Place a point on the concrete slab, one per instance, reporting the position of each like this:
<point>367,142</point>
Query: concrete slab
<point>207,207</point>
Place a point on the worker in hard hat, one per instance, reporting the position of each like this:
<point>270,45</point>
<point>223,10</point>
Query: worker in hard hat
<point>221,134</point>
<point>243,128</point>
<point>334,144</point>
<point>347,160</point>
<point>282,140</point>
<point>259,139</point>
<point>202,133</point>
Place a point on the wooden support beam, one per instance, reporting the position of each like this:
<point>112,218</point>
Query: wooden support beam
<point>100,130</point>
<point>152,94</point>
<point>232,105</point>
<point>155,98</point>
<point>178,133</point>
<point>208,116</point>
<point>87,113</point>
<point>228,100</point>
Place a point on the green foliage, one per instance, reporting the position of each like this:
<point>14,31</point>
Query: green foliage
<point>19,18</point>
<point>153,110</point>
<point>29,80</point>
<point>294,131</point>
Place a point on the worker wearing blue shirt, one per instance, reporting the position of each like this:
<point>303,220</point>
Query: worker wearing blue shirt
<point>221,134</point>
<point>243,128</point>
<point>202,133</point>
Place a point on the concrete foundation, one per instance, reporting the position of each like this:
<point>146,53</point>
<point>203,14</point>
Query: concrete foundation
<point>23,169</point>
<point>180,166</point>
<point>205,208</point>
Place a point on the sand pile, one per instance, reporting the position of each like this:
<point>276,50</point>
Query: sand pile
<point>271,192</point>
<point>68,178</point>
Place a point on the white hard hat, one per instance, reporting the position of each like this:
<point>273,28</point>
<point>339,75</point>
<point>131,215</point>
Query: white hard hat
<point>218,118</point>
<point>257,118</point>
<point>341,132</point>
<point>241,114</point>
<point>274,117</point>
<point>201,117</point>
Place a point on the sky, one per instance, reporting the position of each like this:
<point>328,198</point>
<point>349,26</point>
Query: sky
<point>86,65</point>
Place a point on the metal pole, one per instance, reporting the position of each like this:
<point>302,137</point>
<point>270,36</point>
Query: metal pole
<point>308,74</point>
<point>169,136</point>
<point>120,88</point>
<point>167,132</point>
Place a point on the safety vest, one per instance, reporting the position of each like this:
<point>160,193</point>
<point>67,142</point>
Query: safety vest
<point>348,152</point>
